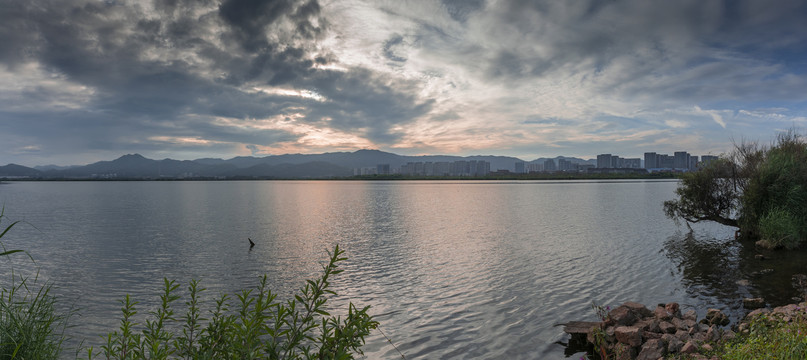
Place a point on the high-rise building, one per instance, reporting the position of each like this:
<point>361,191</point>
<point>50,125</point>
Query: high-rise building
<point>632,163</point>
<point>533,167</point>
<point>549,165</point>
<point>382,169</point>
<point>650,160</point>
<point>519,167</point>
<point>693,162</point>
<point>666,161</point>
<point>604,161</point>
<point>681,160</point>
<point>564,165</point>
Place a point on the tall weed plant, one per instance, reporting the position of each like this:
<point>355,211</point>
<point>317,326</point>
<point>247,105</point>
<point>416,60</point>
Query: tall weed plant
<point>30,325</point>
<point>252,324</point>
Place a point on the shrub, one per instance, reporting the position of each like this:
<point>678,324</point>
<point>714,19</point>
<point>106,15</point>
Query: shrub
<point>258,327</point>
<point>779,228</point>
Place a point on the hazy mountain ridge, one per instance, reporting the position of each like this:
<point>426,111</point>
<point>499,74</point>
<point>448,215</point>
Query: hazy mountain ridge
<point>326,165</point>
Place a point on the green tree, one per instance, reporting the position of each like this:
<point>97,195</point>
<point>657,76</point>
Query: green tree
<point>760,190</point>
<point>710,194</point>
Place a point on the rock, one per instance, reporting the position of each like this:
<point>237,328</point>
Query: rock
<point>622,316</point>
<point>624,352</point>
<point>652,350</point>
<point>727,336</point>
<point>715,317</point>
<point>674,309</point>
<point>690,315</point>
<point>759,257</point>
<point>651,335</point>
<point>629,335</point>
<point>661,313</point>
<point>753,303</point>
<point>638,309</point>
<point>689,348</point>
<point>674,344</point>
<point>699,337</point>
<point>788,310</point>
<point>707,347</point>
<point>743,282</point>
<point>713,334</point>
<point>799,282</point>
<point>689,324</point>
<point>682,335</point>
<point>757,312</point>
<point>648,325</point>
<point>667,327</point>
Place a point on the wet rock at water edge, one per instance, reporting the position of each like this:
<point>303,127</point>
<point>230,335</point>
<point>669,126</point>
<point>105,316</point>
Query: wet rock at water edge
<point>753,303</point>
<point>661,313</point>
<point>715,317</point>
<point>622,315</point>
<point>638,309</point>
<point>674,309</point>
<point>800,283</point>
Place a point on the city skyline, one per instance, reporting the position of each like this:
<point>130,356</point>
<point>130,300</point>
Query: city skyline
<point>86,80</point>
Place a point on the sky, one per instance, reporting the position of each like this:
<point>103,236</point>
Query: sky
<point>83,81</point>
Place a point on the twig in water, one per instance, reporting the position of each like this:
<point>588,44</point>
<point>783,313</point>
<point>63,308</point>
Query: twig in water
<point>390,341</point>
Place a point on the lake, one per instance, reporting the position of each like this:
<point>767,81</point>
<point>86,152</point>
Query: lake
<point>452,269</point>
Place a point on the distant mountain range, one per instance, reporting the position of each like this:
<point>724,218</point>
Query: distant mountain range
<point>296,166</point>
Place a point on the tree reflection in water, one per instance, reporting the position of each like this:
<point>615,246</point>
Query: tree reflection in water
<point>728,270</point>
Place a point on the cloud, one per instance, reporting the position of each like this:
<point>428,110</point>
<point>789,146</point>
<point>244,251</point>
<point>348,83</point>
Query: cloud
<point>83,76</point>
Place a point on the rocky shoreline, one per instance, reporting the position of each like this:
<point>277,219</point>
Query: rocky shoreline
<point>632,331</point>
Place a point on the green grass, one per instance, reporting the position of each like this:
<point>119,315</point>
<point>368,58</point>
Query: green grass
<point>769,338</point>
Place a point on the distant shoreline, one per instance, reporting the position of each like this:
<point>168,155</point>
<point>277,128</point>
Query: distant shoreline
<point>492,177</point>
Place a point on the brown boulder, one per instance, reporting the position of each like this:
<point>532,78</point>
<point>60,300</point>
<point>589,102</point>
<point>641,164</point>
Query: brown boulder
<point>648,325</point>
<point>661,313</point>
<point>753,303</point>
<point>622,316</point>
<point>674,344</point>
<point>689,348</point>
<point>674,309</point>
<point>652,350</point>
<point>667,327</point>
<point>629,335</point>
<point>712,334</point>
<point>715,317</point>
<point>757,312</point>
<point>638,309</point>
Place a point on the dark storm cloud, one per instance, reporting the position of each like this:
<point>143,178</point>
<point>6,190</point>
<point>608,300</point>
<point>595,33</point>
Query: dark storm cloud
<point>659,32</point>
<point>169,70</point>
<point>362,99</point>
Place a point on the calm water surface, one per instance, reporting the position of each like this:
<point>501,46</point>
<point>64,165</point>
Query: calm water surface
<point>452,270</point>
